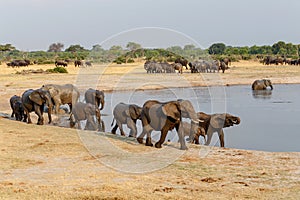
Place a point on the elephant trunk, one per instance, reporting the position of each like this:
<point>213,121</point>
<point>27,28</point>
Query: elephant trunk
<point>102,103</point>
<point>271,87</point>
<point>50,107</point>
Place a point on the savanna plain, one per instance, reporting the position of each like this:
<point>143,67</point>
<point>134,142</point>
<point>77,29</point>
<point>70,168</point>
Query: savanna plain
<point>51,162</point>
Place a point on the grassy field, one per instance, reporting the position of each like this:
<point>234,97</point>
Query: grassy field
<point>49,162</point>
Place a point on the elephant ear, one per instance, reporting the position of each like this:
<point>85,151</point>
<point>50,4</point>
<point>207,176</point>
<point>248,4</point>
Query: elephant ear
<point>36,98</point>
<point>217,121</point>
<point>172,110</point>
<point>133,112</point>
<point>53,91</point>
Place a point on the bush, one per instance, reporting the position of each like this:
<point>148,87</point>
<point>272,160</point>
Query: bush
<point>57,70</point>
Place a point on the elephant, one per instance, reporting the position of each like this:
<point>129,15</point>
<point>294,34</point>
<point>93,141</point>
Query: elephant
<point>165,116</point>
<point>17,107</point>
<point>61,63</point>
<point>227,61</point>
<point>216,123</point>
<point>153,67</point>
<point>178,67</point>
<point>223,66</point>
<point>62,94</point>
<point>193,136</point>
<point>88,63</point>
<point>78,63</point>
<point>35,100</point>
<point>95,97</point>
<point>184,62</point>
<point>85,111</point>
<point>126,114</point>
<point>262,84</point>
<point>167,68</point>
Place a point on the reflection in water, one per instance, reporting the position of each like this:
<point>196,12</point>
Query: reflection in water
<point>262,94</point>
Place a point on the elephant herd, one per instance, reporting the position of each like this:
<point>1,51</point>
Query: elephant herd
<point>19,63</point>
<point>154,115</point>
<point>77,63</point>
<point>199,66</point>
<point>269,60</point>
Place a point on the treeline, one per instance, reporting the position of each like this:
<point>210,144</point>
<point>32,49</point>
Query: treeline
<point>134,51</point>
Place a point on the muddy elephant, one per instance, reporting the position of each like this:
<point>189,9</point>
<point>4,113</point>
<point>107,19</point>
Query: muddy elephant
<point>61,63</point>
<point>216,123</point>
<point>126,114</point>
<point>193,136</point>
<point>35,100</point>
<point>95,97</point>
<point>62,94</point>
<point>165,116</point>
<point>184,62</point>
<point>78,63</point>
<point>178,67</point>
<point>262,84</point>
<point>223,66</point>
<point>17,107</point>
<point>85,111</point>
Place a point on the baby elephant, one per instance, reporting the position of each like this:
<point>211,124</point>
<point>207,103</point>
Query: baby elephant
<point>85,111</point>
<point>126,114</point>
<point>193,137</point>
<point>17,108</point>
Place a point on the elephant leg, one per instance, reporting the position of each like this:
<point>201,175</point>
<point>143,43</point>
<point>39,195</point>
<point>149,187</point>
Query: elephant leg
<point>27,115</point>
<point>164,132</point>
<point>180,133</point>
<point>39,113</point>
<point>209,136</point>
<point>196,139</point>
<point>132,126</point>
<point>120,128</point>
<point>221,137</point>
<point>12,114</point>
<point>113,131</point>
<point>146,130</point>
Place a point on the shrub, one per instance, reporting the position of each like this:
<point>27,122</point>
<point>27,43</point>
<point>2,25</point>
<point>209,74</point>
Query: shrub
<point>57,70</point>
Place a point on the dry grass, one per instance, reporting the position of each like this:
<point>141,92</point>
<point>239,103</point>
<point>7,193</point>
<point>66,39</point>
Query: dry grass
<point>48,162</point>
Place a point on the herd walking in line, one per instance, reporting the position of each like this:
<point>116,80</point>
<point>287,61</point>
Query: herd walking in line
<point>154,115</point>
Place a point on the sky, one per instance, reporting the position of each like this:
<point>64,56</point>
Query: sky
<point>35,24</point>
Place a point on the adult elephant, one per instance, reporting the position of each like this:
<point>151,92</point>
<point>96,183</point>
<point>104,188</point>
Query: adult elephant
<point>216,123</point>
<point>223,66</point>
<point>62,94</point>
<point>165,116</point>
<point>35,100</point>
<point>184,62</point>
<point>61,63</point>
<point>17,107</point>
<point>78,63</point>
<point>178,67</point>
<point>227,61</point>
<point>262,84</point>
<point>95,97</point>
<point>85,111</point>
<point>126,114</point>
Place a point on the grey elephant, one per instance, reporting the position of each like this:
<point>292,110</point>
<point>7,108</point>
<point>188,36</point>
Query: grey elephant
<point>165,116</point>
<point>85,111</point>
<point>262,84</point>
<point>35,100</point>
<point>216,123</point>
<point>62,94</point>
<point>193,136</point>
<point>126,114</point>
<point>95,97</point>
<point>17,107</point>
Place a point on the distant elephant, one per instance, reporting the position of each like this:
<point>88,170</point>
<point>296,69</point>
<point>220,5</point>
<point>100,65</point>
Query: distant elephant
<point>178,67</point>
<point>184,62</point>
<point>62,94</point>
<point>95,97</point>
<point>85,111</point>
<point>193,136</point>
<point>61,63</point>
<point>88,63</point>
<point>126,114</point>
<point>78,63</point>
<point>227,61</point>
<point>223,66</point>
<point>17,107</point>
<point>262,84</point>
<point>35,100</point>
<point>165,116</point>
<point>216,123</point>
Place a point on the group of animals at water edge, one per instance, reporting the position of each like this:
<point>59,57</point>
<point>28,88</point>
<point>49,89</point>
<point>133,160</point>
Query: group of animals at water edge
<point>62,63</point>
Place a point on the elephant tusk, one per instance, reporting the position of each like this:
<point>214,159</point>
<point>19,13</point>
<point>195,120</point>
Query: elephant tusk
<point>197,121</point>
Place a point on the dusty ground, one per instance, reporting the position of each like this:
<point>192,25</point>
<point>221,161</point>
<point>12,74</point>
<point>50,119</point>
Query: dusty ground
<point>48,162</point>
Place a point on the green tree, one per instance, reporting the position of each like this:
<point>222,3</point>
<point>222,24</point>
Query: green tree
<point>277,46</point>
<point>7,47</point>
<point>217,48</point>
<point>132,46</point>
<point>189,47</point>
<point>75,48</point>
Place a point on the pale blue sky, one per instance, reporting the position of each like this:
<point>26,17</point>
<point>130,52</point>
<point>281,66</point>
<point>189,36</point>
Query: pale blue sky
<point>35,24</point>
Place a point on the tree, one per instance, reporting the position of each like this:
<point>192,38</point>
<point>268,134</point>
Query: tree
<point>75,48</point>
<point>189,47</point>
<point>132,46</point>
<point>97,48</point>
<point>277,46</point>
<point>56,47</point>
<point>7,47</point>
<point>217,48</point>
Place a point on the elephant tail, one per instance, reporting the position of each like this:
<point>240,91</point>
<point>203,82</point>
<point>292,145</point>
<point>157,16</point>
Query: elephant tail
<point>112,123</point>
